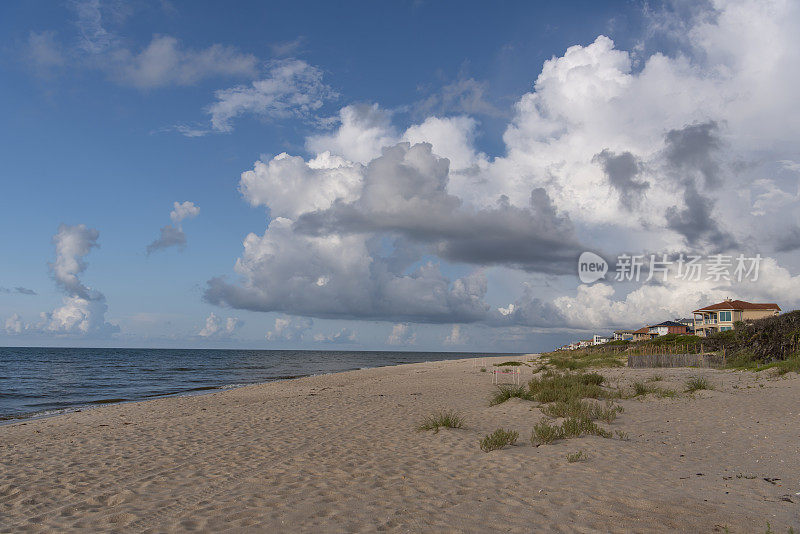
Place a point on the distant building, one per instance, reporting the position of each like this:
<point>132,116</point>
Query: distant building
<point>689,322</point>
<point>721,316</point>
<point>599,340</point>
<point>667,327</point>
<point>623,335</point>
<point>643,334</point>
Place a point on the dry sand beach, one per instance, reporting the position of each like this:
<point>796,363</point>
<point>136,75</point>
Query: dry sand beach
<point>340,453</point>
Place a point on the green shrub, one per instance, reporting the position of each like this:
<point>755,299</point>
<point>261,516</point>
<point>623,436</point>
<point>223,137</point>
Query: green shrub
<point>442,419</point>
<point>498,439</point>
<point>545,432</point>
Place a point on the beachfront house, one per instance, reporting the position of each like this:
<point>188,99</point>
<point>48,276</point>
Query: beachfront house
<point>689,322</point>
<point>623,335</point>
<point>721,316</point>
<point>599,340</point>
<point>667,327</point>
<point>643,334</point>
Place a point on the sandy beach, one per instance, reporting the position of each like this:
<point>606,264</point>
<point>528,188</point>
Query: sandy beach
<point>341,453</point>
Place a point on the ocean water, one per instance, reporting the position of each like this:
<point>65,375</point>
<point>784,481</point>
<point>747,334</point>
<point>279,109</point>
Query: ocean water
<point>45,381</point>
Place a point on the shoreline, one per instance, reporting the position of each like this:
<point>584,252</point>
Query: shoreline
<point>45,414</point>
<point>340,452</point>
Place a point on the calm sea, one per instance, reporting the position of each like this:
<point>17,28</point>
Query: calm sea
<point>45,381</point>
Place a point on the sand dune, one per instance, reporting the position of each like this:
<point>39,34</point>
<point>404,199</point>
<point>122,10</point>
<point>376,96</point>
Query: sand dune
<point>339,453</point>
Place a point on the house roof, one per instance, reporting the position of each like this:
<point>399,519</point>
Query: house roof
<point>740,305</point>
<point>669,323</point>
<point>643,330</point>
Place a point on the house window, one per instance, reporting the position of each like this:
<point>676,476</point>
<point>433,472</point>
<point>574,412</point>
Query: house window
<point>725,316</point>
<point>725,328</point>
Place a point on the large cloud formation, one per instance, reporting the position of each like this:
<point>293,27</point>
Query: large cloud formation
<point>691,150</point>
<point>83,310</point>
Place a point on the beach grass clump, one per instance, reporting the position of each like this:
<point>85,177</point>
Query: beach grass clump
<point>498,439</point>
<point>577,457</point>
<point>483,369</point>
<point>655,378</point>
<point>581,359</point>
<point>554,387</point>
<point>583,409</point>
<point>641,389</point>
<point>791,365</point>
<point>508,391</point>
<point>545,432</point>
<point>697,383</point>
<point>575,427</point>
<point>441,419</point>
<point>509,364</point>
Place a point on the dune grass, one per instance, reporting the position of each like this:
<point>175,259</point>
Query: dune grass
<point>745,361</point>
<point>579,360</point>
<point>583,409</point>
<point>577,457</point>
<point>697,383</point>
<point>545,432</point>
<point>441,419</point>
<point>498,439</point>
<point>508,391</point>
<point>575,427</point>
<point>554,387</point>
<point>509,364</point>
<point>641,389</point>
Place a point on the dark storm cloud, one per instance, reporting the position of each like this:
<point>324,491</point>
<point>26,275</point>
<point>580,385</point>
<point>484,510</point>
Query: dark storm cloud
<point>696,223</point>
<point>692,149</point>
<point>405,193</point>
<point>622,170</point>
<point>691,160</point>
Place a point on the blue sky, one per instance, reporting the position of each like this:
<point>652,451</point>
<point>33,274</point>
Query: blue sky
<point>114,111</point>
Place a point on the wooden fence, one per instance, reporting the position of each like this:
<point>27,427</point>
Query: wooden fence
<point>676,360</point>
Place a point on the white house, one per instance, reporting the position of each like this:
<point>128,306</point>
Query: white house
<point>599,340</point>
